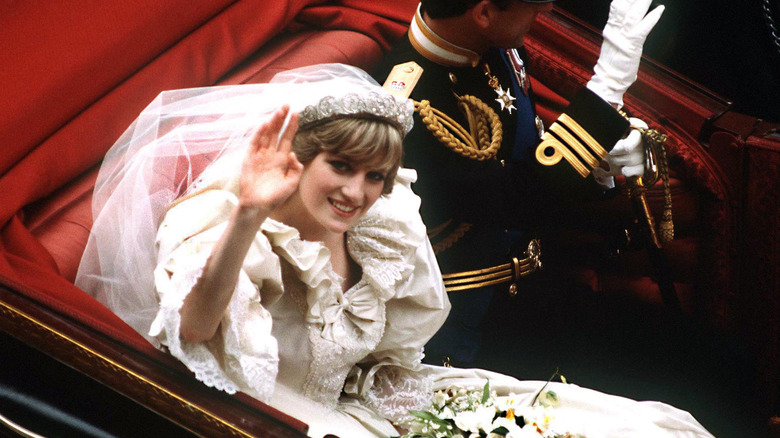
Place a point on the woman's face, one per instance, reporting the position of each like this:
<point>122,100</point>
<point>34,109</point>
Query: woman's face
<point>336,192</point>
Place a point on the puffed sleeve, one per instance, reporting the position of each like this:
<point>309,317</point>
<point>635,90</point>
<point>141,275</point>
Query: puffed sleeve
<point>243,354</point>
<point>388,380</point>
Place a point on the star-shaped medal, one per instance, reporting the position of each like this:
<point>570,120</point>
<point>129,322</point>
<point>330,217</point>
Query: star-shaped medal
<point>505,99</point>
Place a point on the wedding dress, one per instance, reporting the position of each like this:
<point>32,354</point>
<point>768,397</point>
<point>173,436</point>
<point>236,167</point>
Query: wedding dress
<point>290,324</point>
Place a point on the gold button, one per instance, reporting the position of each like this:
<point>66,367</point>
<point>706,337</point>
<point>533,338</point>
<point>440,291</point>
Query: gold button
<point>453,78</point>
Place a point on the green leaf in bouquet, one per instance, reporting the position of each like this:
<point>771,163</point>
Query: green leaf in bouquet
<point>501,430</point>
<point>429,416</point>
<point>486,392</point>
<point>424,415</point>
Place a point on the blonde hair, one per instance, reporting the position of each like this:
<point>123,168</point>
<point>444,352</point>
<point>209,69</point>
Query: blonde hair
<point>360,139</point>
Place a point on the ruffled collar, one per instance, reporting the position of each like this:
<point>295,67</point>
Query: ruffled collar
<point>382,245</point>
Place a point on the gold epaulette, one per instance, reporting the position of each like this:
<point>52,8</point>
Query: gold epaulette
<point>403,78</point>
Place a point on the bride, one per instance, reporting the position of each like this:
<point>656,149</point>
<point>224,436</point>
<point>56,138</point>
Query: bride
<point>290,262</point>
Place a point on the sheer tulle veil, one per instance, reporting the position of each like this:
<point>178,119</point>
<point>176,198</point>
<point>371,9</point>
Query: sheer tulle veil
<point>189,139</point>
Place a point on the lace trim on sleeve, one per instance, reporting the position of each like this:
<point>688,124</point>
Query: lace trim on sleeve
<point>242,355</point>
<point>384,241</point>
<point>383,253</point>
<point>397,390</point>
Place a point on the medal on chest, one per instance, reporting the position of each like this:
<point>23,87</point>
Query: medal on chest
<point>505,99</point>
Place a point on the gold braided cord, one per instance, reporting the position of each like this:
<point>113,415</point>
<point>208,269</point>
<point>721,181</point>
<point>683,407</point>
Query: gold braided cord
<point>451,238</point>
<point>655,144</point>
<point>666,226</point>
<point>482,140</point>
<point>434,231</point>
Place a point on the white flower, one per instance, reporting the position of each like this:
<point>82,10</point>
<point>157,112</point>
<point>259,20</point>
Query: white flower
<point>447,413</point>
<point>474,418</point>
<point>536,414</point>
<point>474,421</point>
<point>507,403</point>
<point>417,427</point>
<point>440,398</point>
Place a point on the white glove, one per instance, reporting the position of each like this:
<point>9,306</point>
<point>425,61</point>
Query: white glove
<point>624,36</point>
<point>626,158</point>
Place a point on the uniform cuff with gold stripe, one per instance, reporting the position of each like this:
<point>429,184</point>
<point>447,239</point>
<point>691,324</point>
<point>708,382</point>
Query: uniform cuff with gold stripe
<point>576,143</point>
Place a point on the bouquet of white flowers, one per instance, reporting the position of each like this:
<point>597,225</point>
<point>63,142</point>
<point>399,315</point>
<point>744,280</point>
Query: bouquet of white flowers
<point>479,413</point>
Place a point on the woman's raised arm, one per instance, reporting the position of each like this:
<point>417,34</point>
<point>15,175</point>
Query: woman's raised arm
<point>269,175</point>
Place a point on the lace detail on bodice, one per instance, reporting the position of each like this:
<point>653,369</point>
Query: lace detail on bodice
<point>338,343</point>
<point>344,327</point>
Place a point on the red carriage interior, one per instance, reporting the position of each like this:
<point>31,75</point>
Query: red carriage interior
<point>77,82</point>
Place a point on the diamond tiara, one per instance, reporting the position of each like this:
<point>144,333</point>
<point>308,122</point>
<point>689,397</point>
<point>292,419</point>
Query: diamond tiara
<point>370,105</point>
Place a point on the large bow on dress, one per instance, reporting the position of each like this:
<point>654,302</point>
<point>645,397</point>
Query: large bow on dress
<point>360,307</point>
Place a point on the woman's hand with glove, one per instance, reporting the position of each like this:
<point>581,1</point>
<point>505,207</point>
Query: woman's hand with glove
<point>624,36</point>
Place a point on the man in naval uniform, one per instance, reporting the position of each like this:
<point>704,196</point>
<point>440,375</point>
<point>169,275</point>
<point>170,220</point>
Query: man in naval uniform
<point>487,169</point>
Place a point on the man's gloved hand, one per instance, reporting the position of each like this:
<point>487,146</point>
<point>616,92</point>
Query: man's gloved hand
<point>624,36</point>
<point>626,158</point>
